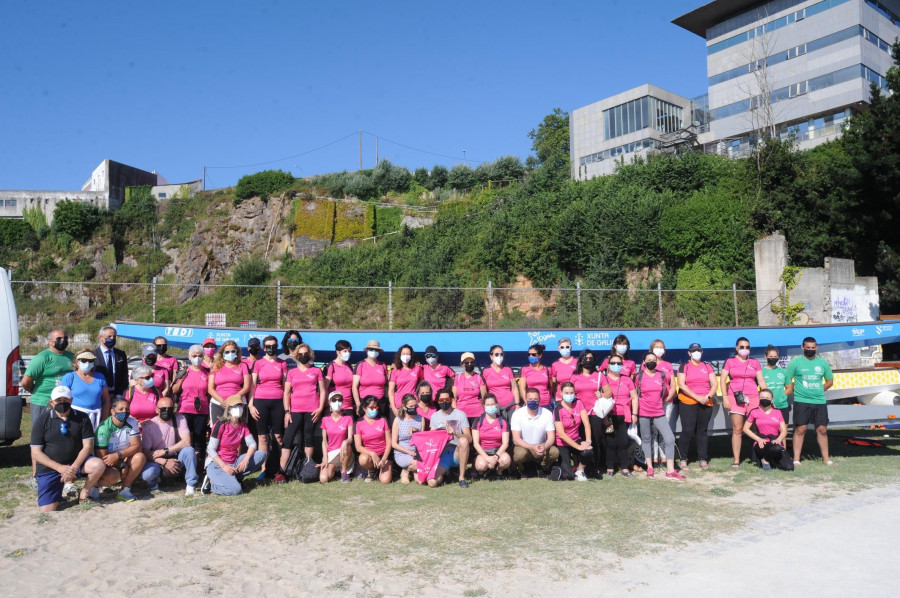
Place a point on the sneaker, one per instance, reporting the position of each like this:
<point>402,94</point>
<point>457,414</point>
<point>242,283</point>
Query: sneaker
<point>829,463</point>
<point>279,478</point>
<point>153,489</point>
<point>32,483</point>
<point>796,463</point>
<point>95,494</point>
<point>650,472</point>
<point>498,478</point>
<point>206,486</point>
<point>463,484</point>
<point>579,476</point>
<point>189,491</point>
<point>125,495</point>
<point>371,476</point>
<point>70,490</point>
<point>345,477</point>
<point>627,474</point>
<point>674,475</point>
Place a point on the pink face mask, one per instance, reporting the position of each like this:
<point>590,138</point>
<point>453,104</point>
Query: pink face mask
<point>209,351</point>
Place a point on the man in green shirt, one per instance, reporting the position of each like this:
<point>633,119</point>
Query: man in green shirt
<point>808,377</point>
<point>42,375</point>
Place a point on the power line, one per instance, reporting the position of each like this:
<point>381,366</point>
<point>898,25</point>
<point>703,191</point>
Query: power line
<point>415,149</point>
<point>321,147</point>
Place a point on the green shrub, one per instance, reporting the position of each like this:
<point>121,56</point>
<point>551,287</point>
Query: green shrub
<point>37,219</point>
<point>263,184</point>
<point>17,234</point>
<point>77,219</point>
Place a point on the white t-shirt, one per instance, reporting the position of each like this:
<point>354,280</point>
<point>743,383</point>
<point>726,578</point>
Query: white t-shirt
<point>534,429</point>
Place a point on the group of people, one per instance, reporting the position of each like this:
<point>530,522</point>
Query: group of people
<point>574,418</point>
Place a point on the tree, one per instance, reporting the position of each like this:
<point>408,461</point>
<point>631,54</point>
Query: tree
<point>76,219</point>
<point>438,177</point>
<point>461,177</point>
<point>263,184</point>
<point>550,142</point>
<point>420,176</point>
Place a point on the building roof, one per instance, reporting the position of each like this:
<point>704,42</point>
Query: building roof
<point>700,19</point>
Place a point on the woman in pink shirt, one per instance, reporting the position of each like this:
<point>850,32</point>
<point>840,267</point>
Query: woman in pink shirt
<point>161,375</point>
<point>228,377</point>
<point>563,368</point>
<point>405,376</point>
<point>192,390</point>
<point>468,388</point>
<point>304,402</point>
<point>655,390</point>
<point>225,466</point>
<point>164,360</point>
<point>373,441</point>
<point>658,348</point>
<point>742,377</point>
<point>621,346</point>
<point>426,401</point>
<point>490,436</point>
<point>588,382</point>
<point>768,438</point>
<point>209,353</point>
<point>337,432</point>
<point>571,417</point>
<point>536,375</point>
<point>339,377</point>
<point>267,398</point>
<point>499,380</point>
<point>696,389</point>
<point>143,394</point>
<point>621,388</point>
<point>371,378</point>
<point>435,373</point>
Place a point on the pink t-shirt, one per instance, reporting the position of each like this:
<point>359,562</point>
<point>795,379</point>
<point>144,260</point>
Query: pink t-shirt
<point>337,431</point>
<point>426,413</point>
<point>696,377</point>
<point>652,395</point>
<point>372,379</point>
<point>194,385</point>
<point>157,434</point>
<point>143,404</point>
<point>341,376</point>
<point>405,380</point>
<point>269,379</point>
<point>768,424</point>
<point>562,372</point>
<point>230,437</point>
<point>429,445</point>
<point>628,367</point>
<point>668,368</point>
<point>490,434</point>
<point>621,393</point>
<point>539,379</point>
<point>160,377</point>
<point>570,419</point>
<point>372,434</point>
<point>585,387</point>
<point>743,378</point>
<point>437,376</point>
<point>468,394</point>
<point>500,383</point>
<point>304,389</point>
<point>168,362</point>
<point>229,381</point>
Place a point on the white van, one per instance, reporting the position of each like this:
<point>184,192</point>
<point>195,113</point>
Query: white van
<point>10,371</point>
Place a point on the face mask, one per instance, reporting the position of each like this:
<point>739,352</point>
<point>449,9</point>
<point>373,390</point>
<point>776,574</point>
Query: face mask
<point>345,355</point>
<point>229,355</point>
<point>445,405</point>
<point>696,355</point>
<point>743,352</point>
<point>304,359</point>
<point>533,405</point>
<point>533,359</point>
<point>109,342</point>
<point>161,349</point>
<point>335,405</point>
<point>491,410</point>
<point>148,382</point>
<point>565,352</point>
<point>425,399</point>
<point>431,360</point>
<point>809,353</point>
<point>569,398</point>
<point>270,350</point>
<point>61,407</point>
<point>621,349</point>
<point>85,366</point>
<point>165,413</point>
<point>405,358</point>
<point>765,403</point>
<point>253,350</point>
<point>122,416</point>
<point>497,359</point>
<point>469,367</point>
<point>589,362</point>
<point>772,361</point>
<point>372,413</point>
<point>209,351</point>
<point>372,354</point>
<point>659,352</point>
<point>615,368</point>
<point>293,343</point>
<point>411,410</point>
<point>150,359</point>
<point>237,411</point>
<point>196,360</point>
<point>650,365</point>
<point>60,344</point>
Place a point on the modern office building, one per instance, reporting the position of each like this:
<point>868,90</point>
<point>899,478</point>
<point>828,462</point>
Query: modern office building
<point>795,68</point>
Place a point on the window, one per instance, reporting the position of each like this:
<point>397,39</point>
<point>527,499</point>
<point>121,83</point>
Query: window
<point>10,203</point>
<point>800,14</point>
<point>797,51</point>
<point>798,89</point>
<point>162,195</point>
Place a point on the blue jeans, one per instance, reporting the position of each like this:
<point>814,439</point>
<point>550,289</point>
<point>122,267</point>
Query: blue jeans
<point>228,485</point>
<point>188,459</point>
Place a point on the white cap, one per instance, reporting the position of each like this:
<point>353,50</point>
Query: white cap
<point>60,392</point>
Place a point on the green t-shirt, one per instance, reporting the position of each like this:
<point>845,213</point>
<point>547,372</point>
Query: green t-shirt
<point>114,438</point>
<point>775,379</point>
<point>808,376</point>
<point>47,369</point>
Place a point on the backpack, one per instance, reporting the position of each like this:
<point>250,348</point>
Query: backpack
<point>557,475</point>
<point>665,387</point>
<point>300,467</point>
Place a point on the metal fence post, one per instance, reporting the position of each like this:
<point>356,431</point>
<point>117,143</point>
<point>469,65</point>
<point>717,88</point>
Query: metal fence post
<point>154,299</point>
<point>659,293</point>
<point>578,297</point>
<point>390,305</point>
<point>734,291</point>
<point>278,302</point>
<point>490,293</point>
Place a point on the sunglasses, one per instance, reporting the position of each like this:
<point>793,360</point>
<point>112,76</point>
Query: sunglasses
<point>497,354</point>
<point>85,360</point>
<point>743,346</point>
<point>530,354</point>
<point>564,347</point>
<point>430,355</point>
<point>271,346</point>
<point>64,428</point>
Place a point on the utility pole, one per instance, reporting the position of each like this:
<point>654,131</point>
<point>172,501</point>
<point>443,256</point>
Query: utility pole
<point>376,151</point>
<point>204,178</point>
<point>360,149</point>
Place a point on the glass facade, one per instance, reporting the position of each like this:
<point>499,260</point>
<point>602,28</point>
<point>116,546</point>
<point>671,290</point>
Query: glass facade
<point>749,17</point>
<point>617,151</point>
<point>646,112</point>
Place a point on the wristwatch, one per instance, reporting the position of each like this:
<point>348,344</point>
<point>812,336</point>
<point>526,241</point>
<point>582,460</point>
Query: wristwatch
<point>119,453</point>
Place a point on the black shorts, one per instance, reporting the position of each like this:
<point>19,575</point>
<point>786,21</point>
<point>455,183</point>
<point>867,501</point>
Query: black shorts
<point>810,413</point>
<point>300,431</point>
<point>271,413</point>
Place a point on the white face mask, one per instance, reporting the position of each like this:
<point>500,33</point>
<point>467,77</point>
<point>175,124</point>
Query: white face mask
<point>659,351</point>
<point>229,355</point>
<point>405,358</point>
<point>431,360</point>
<point>345,355</point>
<point>498,360</point>
<point>696,355</point>
<point>85,366</point>
<point>237,411</point>
<point>373,354</point>
<point>621,349</point>
<point>335,405</point>
<point>196,360</point>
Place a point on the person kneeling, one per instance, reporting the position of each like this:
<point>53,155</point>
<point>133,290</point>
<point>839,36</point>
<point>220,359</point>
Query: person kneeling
<point>167,446</point>
<point>225,467</point>
<point>456,453</point>
<point>769,435</point>
<point>118,442</point>
<point>491,438</point>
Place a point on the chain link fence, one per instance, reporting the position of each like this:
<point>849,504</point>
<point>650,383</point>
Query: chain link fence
<point>83,307</point>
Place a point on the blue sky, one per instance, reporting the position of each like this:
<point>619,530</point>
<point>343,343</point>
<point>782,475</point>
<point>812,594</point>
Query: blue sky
<point>175,86</point>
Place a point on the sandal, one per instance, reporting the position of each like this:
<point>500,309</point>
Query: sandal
<point>735,465</point>
<point>704,465</point>
<point>683,465</point>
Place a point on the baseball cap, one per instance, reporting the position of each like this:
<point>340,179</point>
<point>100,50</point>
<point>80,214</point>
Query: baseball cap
<point>60,392</point>
<point>695,347</point>
<point>209,341</point>
<point>149,350</point>
<point>466,355</point>
<point>253,342</point>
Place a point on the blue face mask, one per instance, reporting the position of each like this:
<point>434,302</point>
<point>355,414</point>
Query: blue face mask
<point>533,359</point>
<point>568,398</point>
<point>109,342</point>
<point>491,410</point>
<point>615,368</point>
<point>148,382</point>
<point>372,413</point>
<point>565,352</point>
<point>533,405</point>
<point>121,416</point>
